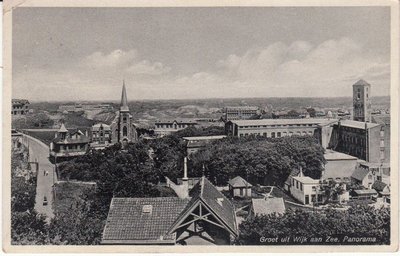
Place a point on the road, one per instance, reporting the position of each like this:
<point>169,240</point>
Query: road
<point>39,152</point>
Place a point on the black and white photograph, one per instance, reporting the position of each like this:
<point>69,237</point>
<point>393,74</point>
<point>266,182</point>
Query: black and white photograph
<point>169,126</point>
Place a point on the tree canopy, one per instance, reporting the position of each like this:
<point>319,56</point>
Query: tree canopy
<point>359,222</point>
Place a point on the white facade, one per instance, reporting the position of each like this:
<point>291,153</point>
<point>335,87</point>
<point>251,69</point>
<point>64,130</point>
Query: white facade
<point>306,190</point>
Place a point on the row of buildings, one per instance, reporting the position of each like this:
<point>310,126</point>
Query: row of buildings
<point>19,107</point>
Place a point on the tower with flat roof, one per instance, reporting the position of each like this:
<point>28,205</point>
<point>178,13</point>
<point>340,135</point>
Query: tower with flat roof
<point>362,101</point>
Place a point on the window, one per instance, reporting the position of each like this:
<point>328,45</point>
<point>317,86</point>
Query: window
<point>124,131</point>
<point>279,134</point>
<point>297,184</point>
<point>382,154</point>
<point>265,134</point>
<point>382,143</point>
<point>301,186</point>
<point>273,134</point>
<point>382,132</point>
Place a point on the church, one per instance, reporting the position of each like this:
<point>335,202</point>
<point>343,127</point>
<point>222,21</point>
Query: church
<point>122,128</point>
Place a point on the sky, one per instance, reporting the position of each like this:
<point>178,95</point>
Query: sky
<point>183,53</point>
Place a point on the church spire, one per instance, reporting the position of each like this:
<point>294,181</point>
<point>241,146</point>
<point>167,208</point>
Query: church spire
<point>124,101</point>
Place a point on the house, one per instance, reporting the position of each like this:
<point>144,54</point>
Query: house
<point>364,194</point>
<point>305,189</point>
<point>100,136</point>
<point>195,143</point>
<point>382,188</point>
<point>339,166</point>
<point>241,112</point>
<point>266,206</point>
<point>166,127</point>
<point>239,187</point>
<point>67,145</point>
<point>288,182</point>
<point>205,217</point>
<point>20,107</point>
<point>363,177</point>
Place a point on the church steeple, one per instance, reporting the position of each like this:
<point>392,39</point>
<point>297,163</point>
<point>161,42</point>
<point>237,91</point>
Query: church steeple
<point>124,101</point>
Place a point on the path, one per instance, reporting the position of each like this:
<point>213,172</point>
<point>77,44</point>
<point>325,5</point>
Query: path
<point>39,152</point>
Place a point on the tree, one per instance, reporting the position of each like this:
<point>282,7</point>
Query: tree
<point>360,221</point>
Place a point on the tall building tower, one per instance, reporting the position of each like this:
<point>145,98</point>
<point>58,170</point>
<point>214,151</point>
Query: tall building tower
<point>125,127</point>
<point>361,101</point>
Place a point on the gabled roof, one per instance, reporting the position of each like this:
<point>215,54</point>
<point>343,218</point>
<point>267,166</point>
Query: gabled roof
<point>268,206</point>
<point>239,182</point>
<point>207,193</point>
<point>127,223</point>
<point>360,173</point>
<point>62,128</point>
<point>379,185</point>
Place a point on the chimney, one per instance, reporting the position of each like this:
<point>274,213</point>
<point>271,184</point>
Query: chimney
<point>185,181</point>
<point>185,178</point>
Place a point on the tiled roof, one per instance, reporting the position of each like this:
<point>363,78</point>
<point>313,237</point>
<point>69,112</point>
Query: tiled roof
<point>379,185</point>
<point>360,173</point>
<point>126,220</point>
<point>239,182</point>
<point>268,206</point>
<point>128,224</point>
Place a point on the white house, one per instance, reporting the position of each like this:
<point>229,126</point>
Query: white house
<point>305,189</point>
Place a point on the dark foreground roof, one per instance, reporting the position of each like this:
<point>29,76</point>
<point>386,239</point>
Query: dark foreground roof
<point>360,173</point>
<point>154,220</point>
<point>127,223</point>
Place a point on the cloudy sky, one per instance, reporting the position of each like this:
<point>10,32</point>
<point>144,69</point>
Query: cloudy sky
<point>177,53</point>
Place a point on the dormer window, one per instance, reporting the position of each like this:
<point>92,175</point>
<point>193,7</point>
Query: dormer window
<point>147,209</point>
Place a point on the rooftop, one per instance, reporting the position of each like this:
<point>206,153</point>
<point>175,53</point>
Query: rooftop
<point>315,121</point>
<point>365,191</point>
<point>213,137</point>
<point>361,82</point>
<point>360,173</point>
<point>379,185</point>
<point>306,180</point>
<point>357,124</point>
<point>154,220</point>
<point>128,221</point>
<point>178,121</point>
<point>242,108</point>
<point>268,206</point>
<point>239,182</point>
<point>331,155</point>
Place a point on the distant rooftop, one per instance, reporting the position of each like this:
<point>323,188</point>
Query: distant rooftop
<point>178,121</point>
<point>315,121</point>
<point>213,137</point>
<point>242,108</point>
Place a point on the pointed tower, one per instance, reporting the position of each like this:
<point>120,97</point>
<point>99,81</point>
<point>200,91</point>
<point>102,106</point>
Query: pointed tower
<point>62,132</point>
<point>125,128</point>
<point>124,100</point>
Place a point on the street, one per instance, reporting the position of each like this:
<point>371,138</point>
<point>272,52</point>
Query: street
<point>39,152</point>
